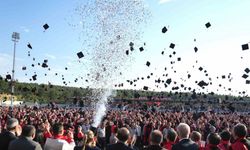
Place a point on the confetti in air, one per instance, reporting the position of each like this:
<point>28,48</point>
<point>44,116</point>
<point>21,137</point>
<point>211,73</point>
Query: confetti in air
<point>106,29</point>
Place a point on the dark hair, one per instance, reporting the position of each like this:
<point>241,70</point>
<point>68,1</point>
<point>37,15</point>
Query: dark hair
<point>156,137</point>
<point>195,136</point>
<point>171,135</point>
<point>57,128</point>
<point>240,130</point>
<point>28,131</point>
<point>214,138</point>
<point>225,135</point>
<point>123,134</point>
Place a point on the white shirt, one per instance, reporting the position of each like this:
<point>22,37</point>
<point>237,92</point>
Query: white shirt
<point>57,144</point>
<point>101,132</point>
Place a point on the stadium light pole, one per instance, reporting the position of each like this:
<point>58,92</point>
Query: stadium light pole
<point>15,38</point>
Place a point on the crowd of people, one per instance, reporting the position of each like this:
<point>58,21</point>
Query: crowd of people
<point>70,128</point>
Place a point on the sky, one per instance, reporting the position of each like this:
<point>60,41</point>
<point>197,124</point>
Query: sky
<point>219,46</point>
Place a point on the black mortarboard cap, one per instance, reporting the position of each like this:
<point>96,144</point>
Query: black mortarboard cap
<point>247,70</point>
<point>145,88</point>
<point>245,47</point>
<point>45,60</point>
<point>24,68</point>
<point>195,49</point>
<point>179,59</point>
<point>29,46</point>
<point>127,52</point>
<point>162,52</point>
<point>44,65</point>
<point>223,76</point>
<point>131,44</point>
<point>66,68</point>
<point>80,55</point>
<point>8,76</point>
<point>244,76</point>
<point>208,25</point>
<point>32,65</point>
<point>202,83</point>
<point>141,49</point>
<point>148,63</point>
<point>34,77</point>
<point>172,45</point>
<point>247,81</point>
<point>45,26</point>
<point>189,76</point>
<point>164,30</point>
<point>168,81</point>
<point>200,68</point>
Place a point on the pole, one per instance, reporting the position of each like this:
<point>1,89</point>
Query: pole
<point>13,75</point>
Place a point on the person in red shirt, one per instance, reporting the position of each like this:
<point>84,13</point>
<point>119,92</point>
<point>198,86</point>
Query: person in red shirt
<point>171,139</point>
<point>196,137</point>
<point>239,134</point>
<point>225,140</point>
<point>213,140</point>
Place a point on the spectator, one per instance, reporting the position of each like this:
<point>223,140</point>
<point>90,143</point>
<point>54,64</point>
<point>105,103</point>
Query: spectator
<point>171,137</point>
<point>123,136</point>
<point>58,141</point>
<point>196,137</point>
<point>155,139</point>
<point>184,143</point>
<point>213,141</point>
<point>225,140</point>
<point>13,130</point>
<point>101,135</point>
<point>25,142</point>
<point>239,134</point>
<point>113,138</point>
<point>89,142</point>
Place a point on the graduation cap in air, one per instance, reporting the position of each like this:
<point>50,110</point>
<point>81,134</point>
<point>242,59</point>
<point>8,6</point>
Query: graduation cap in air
<point>44,65</point>
<point>244,76</point>
<point>208,25</point>
<point>32,65</point>
<point>141,49</point>
<point>66,68</point>
<point>202,83</point>
<point>164,30</point>
<point>172,45</point>
<point>145,88</point>
<point>245,47</point>
<point>200,68</point>
<point>168,81</point>
<point>179,59</point>
<point>34,77</point>
<point>195,49</point>
<point>127,52</point>
<point>162,52</point>
<point>45,26</point>
<point>8,76</point>
<point>189,76</point>
<point>247,81</point>
<point>131,44</point>
<point>80,55</point>
<point>148,63</point>
<point>23,68</point>
<point>223,76</point>
<point>247,70</point>
<point>29,46</point>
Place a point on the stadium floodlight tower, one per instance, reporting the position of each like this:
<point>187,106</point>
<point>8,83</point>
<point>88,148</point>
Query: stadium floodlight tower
<point>15,38</point>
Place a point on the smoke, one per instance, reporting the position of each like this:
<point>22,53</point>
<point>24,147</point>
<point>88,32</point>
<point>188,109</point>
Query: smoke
<point>106,29</point>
